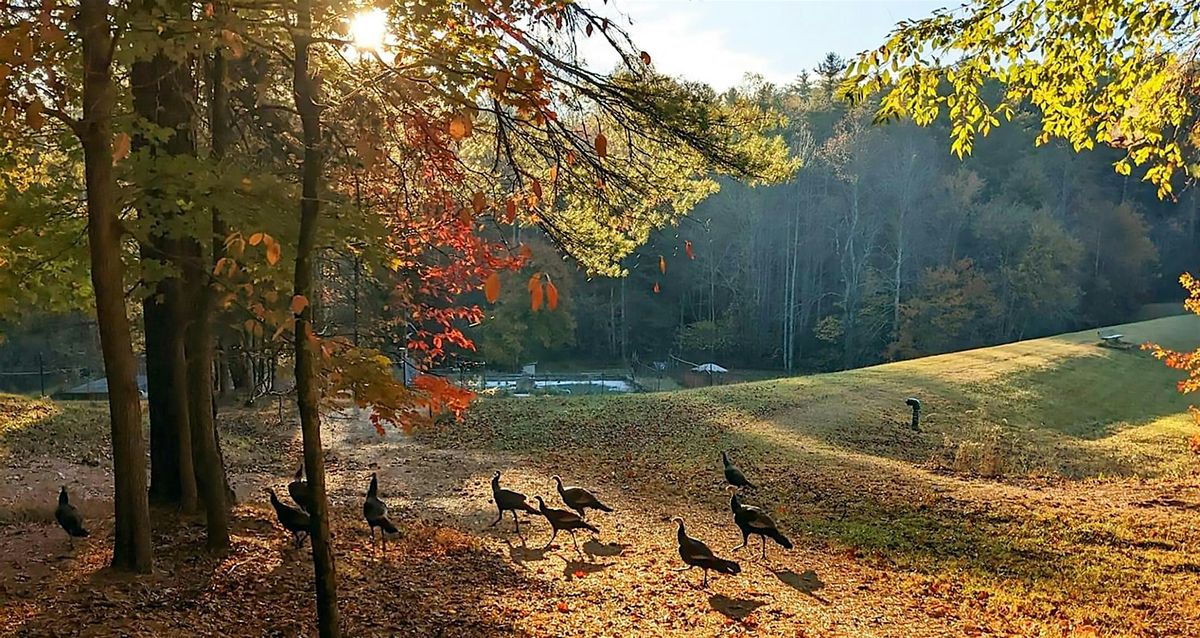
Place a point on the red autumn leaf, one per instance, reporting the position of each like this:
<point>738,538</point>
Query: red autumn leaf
<point>551,296</point>
<point>656,288</point>
<point>491,287</point>
<point>562,606</point>
<point>687,248</point>
<point>601,145</point>
<point>537,188</point>
<point>579,573</point>
<point>478,202</point>
<point>662,264</point>
<point>645,58</point>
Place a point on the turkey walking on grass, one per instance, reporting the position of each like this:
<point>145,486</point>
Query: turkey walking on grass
<point>293,519</point>
<point>299,491</point>
<point>69,518</point>
<point>752,520</point>
<point>579,499</point>
<point>732,474</point>
<point>509,501</point>
<point>696,554</point>
<point>375,511</point>
<point>563,520</point>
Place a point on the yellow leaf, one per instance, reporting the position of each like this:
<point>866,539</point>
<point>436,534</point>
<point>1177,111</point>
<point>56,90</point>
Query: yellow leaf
<point>273,253</point>
<point>491,287</point>
<point>299,303</point>
<point>120,147</point>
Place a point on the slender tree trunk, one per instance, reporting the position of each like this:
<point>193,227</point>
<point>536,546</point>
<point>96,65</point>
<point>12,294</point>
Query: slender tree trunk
<point>305,90</point>
<point>222,133</point>
<point>132,549</point>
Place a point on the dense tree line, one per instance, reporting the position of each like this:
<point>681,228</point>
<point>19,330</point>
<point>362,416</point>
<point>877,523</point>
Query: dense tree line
<point>882,246</point>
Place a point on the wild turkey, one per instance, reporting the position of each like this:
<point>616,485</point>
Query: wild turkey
<point>509,501</point>
<point>579,499</point>
<point>752,520</point>
<point>69,518</point>
<point>375,511</point>
<point>561,520</point>
<point>732,474</point>
<point>696,554</point>
<point>293,520</point>
<point>298,490</point>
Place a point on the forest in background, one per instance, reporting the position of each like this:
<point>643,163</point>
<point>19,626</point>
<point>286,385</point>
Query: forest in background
<point>883,246</point>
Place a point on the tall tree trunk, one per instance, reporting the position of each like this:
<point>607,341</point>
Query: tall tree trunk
<point>305,90</point>
<point>161,89</point>
<point>132,549</point>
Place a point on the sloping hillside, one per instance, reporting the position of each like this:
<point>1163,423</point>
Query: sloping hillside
<point>1054,406</point>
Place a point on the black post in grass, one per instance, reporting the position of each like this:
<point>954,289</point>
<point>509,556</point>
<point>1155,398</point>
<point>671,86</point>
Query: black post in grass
<point>915,404</point>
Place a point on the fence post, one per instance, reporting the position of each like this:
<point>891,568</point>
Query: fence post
<point>42,374</point>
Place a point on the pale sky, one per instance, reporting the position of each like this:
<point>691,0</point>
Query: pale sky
<point>718,41</point>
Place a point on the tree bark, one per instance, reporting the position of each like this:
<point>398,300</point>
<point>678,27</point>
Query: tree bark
<point>160,95</point>
<point>210,474</point>
<point>132,549</point>
<point>305,91</point>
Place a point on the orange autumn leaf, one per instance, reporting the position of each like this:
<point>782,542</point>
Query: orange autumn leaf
<point>535,292</point>
<point>656,288</point>
<point>460,126</point>
<point>662,264</point>
<point>478,202</point>
<point>687,248</point>
<point>601,145</point>
<point>510,210</point>
<point>645,58</point>
<point>273,253</point>
<point>551,296</point>
<point>562,606</point>
<point>491,287</point>
<point>256,239</point>
<point>299,303</point>
<point>120,147</point>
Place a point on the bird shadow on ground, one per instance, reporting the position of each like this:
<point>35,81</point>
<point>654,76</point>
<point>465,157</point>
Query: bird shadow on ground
<point>578,569</point>
<point>596,548</point>
<point>734,608</point>
<point>525,554</point>
<point>807,583</point>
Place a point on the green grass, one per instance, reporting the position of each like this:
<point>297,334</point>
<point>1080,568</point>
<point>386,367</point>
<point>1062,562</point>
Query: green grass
<point>1059,406</point>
